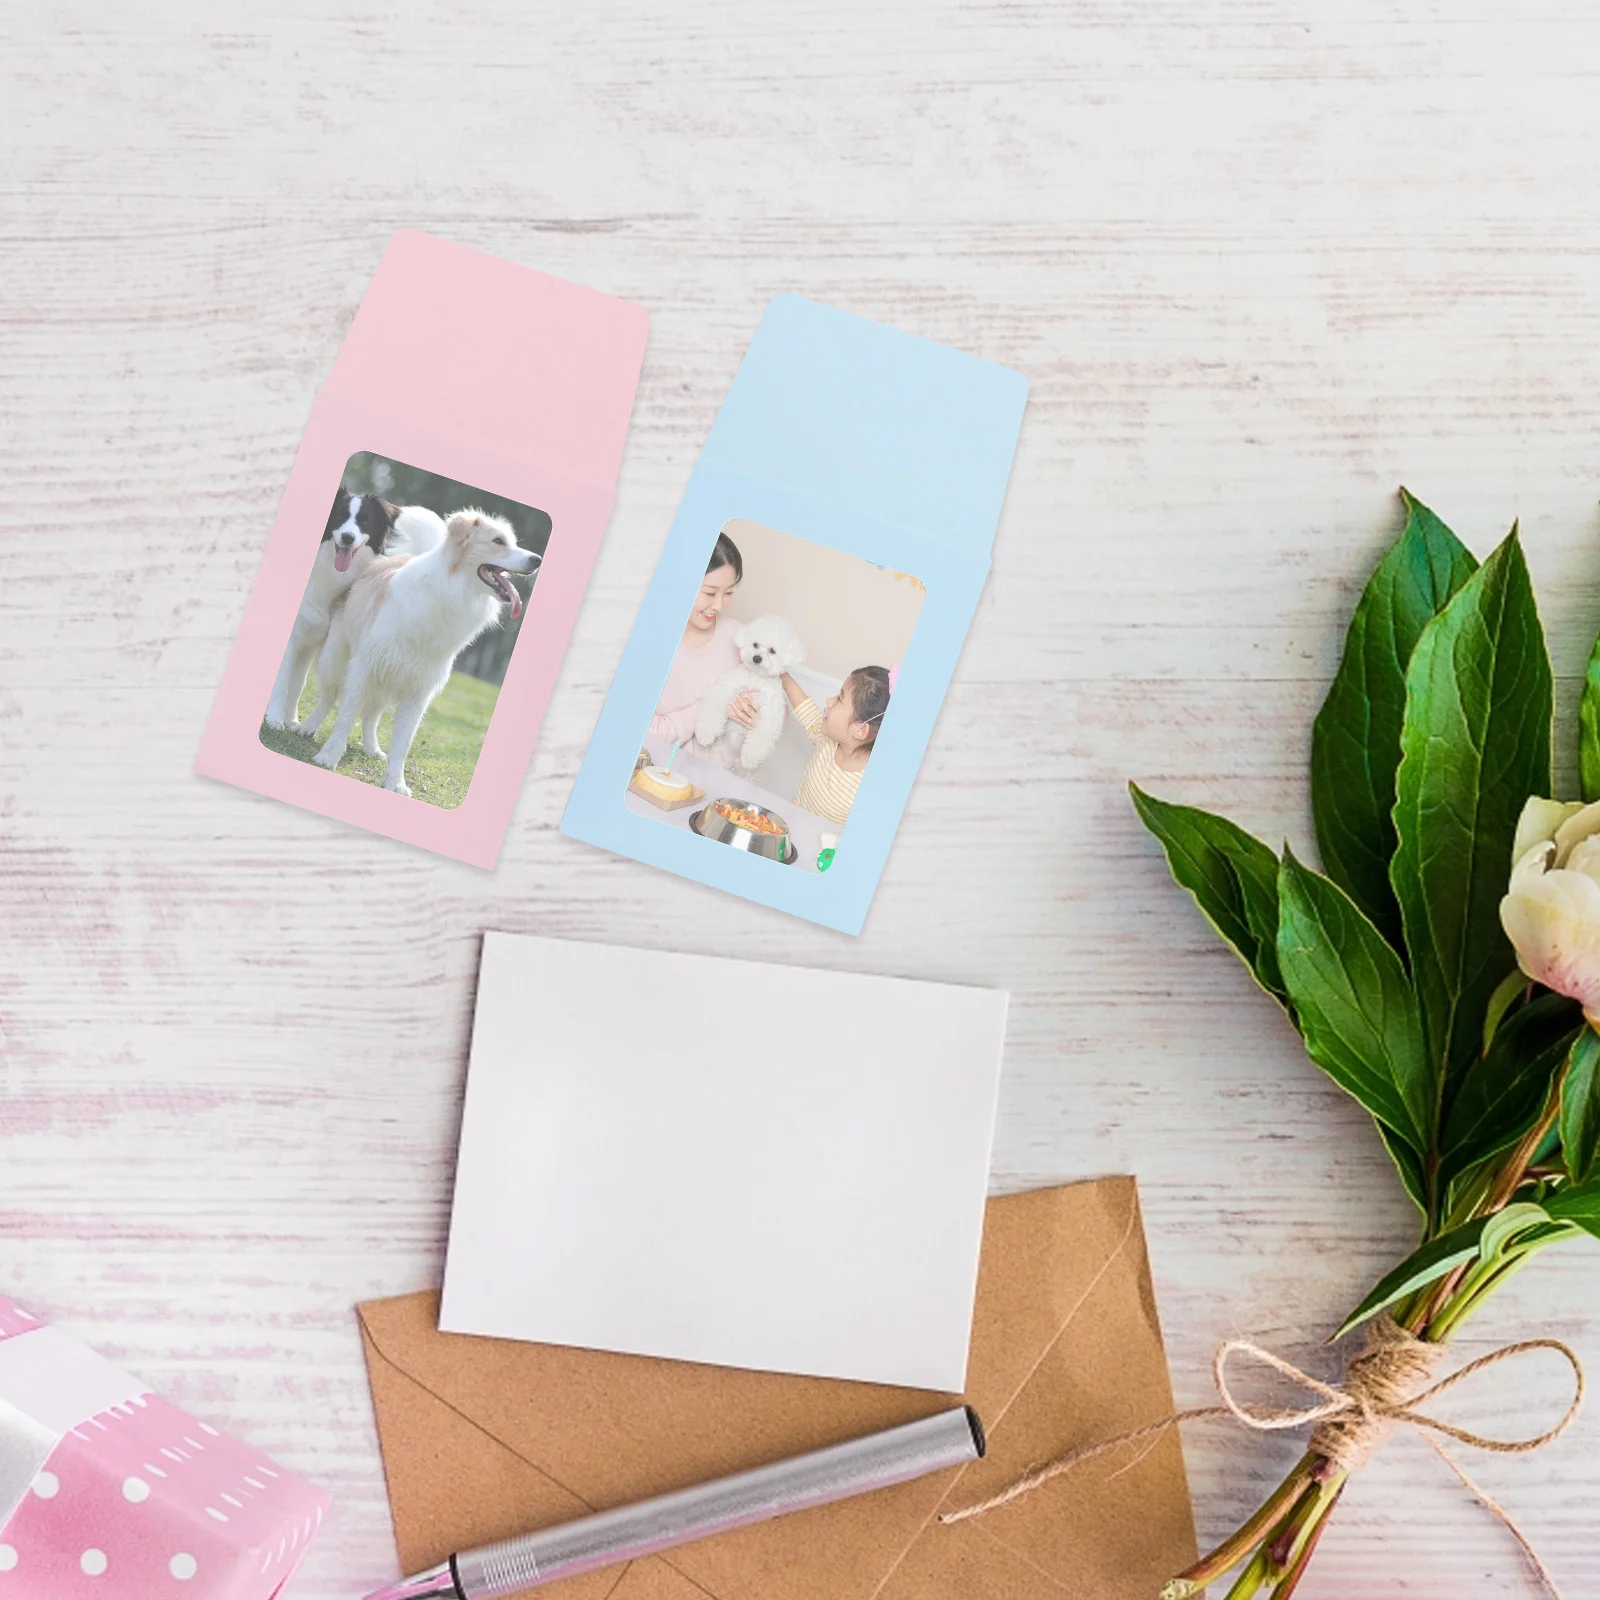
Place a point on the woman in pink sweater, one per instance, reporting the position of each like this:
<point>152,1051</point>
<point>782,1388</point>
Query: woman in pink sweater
<point>707,648</point>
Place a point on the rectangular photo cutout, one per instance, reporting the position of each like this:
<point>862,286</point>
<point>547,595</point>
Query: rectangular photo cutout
<point>392,668</point>
<point>775,697</point>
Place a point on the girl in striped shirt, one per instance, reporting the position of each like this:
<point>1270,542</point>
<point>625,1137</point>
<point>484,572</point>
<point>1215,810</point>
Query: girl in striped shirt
<point>844,732</point>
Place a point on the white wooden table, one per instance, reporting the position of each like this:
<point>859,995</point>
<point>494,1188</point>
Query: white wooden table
<point>1263,263</point>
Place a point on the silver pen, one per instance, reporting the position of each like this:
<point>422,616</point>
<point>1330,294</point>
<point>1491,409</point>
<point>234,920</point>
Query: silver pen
<point>896,1455</point>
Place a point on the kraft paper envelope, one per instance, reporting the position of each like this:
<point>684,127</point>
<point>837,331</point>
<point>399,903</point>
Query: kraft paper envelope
<point>486,1438</point>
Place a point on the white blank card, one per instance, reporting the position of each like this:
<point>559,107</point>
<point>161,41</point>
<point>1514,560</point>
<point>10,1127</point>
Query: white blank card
<point>724,1161</point>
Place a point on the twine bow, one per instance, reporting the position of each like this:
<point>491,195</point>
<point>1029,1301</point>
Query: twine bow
<point>1385,1385</point>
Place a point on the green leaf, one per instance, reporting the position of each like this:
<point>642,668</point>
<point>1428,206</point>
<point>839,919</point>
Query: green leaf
<point>1504,1091</point>
<point>1355,741</point>
<point>1231,874</point>
<point>1549,1147</point>
<point>1512,1231</point>
<point>1580,1107</point>
<point>1409,1165</point>
<point>1512,987</point>
<point>1589,728</point>
<point>1427,1263</point>
<point>1578,1204</point>
<point>1474,745</point>
<point>1465,1192</point>
<point>1356,1009</point>
<point>1502,1228</point>
<point>1536,1238</point>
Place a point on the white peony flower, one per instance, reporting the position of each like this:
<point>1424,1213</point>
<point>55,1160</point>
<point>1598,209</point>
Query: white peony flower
<point>1551,913</point>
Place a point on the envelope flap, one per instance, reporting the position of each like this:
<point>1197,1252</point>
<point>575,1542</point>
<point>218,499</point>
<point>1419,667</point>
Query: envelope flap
<point>1065,1341</point>
<point>451,1486</point>
<point>1103,1374</point>
<point>1044,1252</point>
<point>1055,1263</point>
<point>566,1409</point>
<point>612,1429</point>
<point>874,419</point>
<point>511,359</point>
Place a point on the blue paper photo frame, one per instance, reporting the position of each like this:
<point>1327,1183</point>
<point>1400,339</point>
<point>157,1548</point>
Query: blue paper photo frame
<point>861,439</point>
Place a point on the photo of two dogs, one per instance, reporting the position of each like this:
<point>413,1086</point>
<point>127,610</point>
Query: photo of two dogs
<point>406,626</point>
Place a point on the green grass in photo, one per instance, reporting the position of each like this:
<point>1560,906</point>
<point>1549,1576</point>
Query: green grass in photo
<point>443,755</point>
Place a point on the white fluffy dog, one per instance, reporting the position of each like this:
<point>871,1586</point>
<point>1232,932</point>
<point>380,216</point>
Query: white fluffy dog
<point>768,647</point>
<point>360,528</point>
<point>401,626</point>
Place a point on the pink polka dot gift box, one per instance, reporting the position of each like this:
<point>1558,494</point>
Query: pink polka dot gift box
<point>107,1492</point>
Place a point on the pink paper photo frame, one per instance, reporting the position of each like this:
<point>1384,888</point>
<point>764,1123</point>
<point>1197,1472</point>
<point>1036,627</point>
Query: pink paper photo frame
<point>493,375</point>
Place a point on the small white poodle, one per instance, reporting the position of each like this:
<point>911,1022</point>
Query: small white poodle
<point>768,647</point>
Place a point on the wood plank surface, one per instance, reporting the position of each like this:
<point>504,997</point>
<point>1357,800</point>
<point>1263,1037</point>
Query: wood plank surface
<point>1262,263</point>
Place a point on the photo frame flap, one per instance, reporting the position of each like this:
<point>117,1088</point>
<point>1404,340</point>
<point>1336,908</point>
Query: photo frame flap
<point>873,419</point>
<point>516,361</point>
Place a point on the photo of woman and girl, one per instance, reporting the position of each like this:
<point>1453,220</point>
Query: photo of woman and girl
<point>837,625</point>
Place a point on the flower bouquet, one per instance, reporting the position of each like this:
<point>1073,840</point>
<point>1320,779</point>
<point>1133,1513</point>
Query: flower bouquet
<point>1443,968</point>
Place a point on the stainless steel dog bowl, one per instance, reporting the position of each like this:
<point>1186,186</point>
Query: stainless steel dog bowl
<point>709,823</point>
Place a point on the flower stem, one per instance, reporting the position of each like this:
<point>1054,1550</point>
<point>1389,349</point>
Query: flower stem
<point>1307,1517</point>
<point>1276,1544</point>
<point>1512,1171</point>
<point>1252,1577</point>
<point>1290,1581</point>
<point>1260,1529</point>
<point>1473,1295</point>
<point>1516,1165</point>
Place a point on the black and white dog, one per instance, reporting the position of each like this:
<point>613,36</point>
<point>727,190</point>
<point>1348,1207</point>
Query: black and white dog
<point>396,634</point>
<point>360,527</point>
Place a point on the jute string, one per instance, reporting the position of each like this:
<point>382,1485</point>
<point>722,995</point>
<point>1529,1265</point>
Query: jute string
<point>1387,1384</point>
